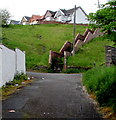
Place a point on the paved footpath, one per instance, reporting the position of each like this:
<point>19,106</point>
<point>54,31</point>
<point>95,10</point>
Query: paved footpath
<point>51,96</point>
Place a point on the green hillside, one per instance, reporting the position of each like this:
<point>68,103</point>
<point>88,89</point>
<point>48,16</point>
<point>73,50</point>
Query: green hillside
<point>37,40</point>
<point>93,53</point>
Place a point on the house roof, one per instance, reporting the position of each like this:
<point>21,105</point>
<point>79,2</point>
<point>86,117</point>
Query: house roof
<point>51,12</point>
<point>15,22</point>
<point>36,17</point>
<point>70,11</point>
<point>64,11</point>
<point>28,18</point>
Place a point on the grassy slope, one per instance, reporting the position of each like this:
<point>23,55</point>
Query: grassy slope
<point>37,40</point>
<point>91,53</point>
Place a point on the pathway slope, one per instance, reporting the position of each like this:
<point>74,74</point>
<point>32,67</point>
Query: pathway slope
<point>51,96</point>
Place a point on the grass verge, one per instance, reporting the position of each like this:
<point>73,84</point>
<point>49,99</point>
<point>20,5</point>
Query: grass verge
<point>101,81</point>
<point>20,80</point>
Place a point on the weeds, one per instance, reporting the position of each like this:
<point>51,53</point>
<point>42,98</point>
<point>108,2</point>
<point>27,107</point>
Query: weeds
<point>10,87</point>
<point>102,81</point>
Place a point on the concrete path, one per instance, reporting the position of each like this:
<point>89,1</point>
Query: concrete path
<point>51,96</point>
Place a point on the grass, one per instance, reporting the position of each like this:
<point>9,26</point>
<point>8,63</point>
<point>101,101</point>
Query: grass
<point>72,70</point>
<point>37,40</point>
<point>102,82</point>
<point>91,54</point>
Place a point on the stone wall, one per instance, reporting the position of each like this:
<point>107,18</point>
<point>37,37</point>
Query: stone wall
<point>110,55</point>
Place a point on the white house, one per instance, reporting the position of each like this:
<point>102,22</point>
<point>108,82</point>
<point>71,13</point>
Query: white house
<point>25,20</point>
<point>49,15</point>
<point>63,15</point>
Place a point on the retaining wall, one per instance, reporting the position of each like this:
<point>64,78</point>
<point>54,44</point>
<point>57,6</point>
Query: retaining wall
<point>110,55</point>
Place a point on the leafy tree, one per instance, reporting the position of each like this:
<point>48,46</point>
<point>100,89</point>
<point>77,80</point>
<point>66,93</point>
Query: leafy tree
<point>105,18</point>
<point>4,16</point>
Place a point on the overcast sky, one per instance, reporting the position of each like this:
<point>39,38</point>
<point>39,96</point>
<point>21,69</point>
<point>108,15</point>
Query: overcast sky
<point>20,8</point>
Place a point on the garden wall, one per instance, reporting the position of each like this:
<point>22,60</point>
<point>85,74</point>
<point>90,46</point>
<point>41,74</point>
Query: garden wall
<point>11,62</point>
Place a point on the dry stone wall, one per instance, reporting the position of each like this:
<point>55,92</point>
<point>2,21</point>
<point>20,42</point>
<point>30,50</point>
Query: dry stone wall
<point>110,55</point>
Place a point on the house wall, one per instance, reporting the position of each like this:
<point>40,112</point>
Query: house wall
<point>11,62</point>
<point>24,21</point>
<point>59,16</point>
<point>48,17</point>
<point>48,14</point>
<point>80,17</point>
<point>34,23</point>
<point>62,18</point>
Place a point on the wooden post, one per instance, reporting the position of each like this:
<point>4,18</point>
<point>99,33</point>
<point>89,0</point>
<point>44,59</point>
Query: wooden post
<point>50,59</point>
<point>74,30</point>
<point>65,61</point>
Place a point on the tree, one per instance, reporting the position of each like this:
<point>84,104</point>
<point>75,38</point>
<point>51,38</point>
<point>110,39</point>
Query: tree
<point>4,16</point>
<point>105,18</point>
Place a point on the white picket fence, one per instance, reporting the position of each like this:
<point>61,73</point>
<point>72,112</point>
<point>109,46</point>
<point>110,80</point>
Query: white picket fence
<point>11,63</point>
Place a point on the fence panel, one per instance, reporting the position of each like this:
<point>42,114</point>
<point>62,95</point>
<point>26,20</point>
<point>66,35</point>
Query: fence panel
<point>8,64</point>
<point>11,62</point>
<point>20,61</point>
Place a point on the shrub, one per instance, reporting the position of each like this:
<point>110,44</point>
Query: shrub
<point>20,76</point>
<point>102,81</point>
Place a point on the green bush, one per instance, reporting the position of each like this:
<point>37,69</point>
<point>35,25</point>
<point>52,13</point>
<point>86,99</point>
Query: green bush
<point>21,76</point>
<point>18,78</point>
<point>102,81</point>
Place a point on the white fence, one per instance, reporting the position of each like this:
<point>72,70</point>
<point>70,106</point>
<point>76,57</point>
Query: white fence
<point>11,62</point>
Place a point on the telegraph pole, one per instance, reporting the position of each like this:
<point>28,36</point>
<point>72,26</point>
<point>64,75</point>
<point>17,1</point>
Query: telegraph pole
<point>74,30</point>
<point>98,4</point>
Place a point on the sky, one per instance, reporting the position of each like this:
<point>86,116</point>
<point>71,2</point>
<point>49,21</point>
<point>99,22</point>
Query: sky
<point>20,8</point>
